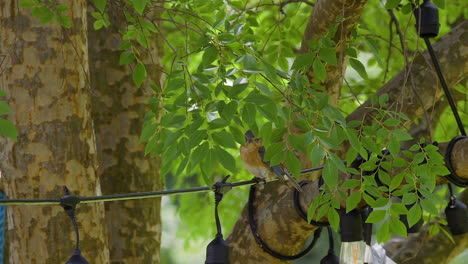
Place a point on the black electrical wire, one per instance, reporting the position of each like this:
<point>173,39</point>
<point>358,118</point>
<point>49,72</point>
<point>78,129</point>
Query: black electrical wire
<point>444,86</point>
<point>263,245</point>
<point>299,210</point>
<point>140,195</point>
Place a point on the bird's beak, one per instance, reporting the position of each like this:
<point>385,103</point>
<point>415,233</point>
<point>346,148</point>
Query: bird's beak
<point>249,136</point>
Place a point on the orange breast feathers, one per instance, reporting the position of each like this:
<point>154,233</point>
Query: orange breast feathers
<point>253,162</point>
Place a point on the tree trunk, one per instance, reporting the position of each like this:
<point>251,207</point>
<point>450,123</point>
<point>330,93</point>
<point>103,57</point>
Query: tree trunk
<point>134,227</point>
<point>46,76</point>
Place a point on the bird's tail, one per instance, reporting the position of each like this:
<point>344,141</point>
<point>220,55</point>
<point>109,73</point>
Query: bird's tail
<point>294,182</point>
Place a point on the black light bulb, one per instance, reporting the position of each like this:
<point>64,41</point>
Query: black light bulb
<point>217,251</point>
<point>77,258</point>
<point>457,219</point>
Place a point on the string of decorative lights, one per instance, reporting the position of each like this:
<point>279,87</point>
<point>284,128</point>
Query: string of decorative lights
<point>143,195</point>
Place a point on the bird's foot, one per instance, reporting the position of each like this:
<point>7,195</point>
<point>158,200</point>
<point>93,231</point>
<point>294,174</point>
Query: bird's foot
<point>259,180</point>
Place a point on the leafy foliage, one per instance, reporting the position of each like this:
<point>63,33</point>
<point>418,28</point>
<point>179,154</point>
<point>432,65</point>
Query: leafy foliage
<point>232,66</point>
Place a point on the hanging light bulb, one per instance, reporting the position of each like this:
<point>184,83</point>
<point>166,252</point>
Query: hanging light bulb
<point>217,251</point>
<point>331,257</point>
<point>352,246</point>
<point>457,219</point>
<point>69,202</point>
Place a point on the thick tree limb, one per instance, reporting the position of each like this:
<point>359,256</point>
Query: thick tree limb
<point>278,222</point>
<point>420,248</point>
<point>326,14</point>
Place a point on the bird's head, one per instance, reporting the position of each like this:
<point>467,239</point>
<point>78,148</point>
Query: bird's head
<point>251,141</point>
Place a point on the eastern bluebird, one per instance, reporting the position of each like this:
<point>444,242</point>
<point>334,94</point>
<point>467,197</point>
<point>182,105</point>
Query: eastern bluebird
<point>253,154</point>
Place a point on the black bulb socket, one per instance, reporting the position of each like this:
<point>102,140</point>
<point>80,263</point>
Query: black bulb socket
<point>77,258</point>
<point>457,219</point>
<point>330,258</point>
<point>427,20</point>
<point>217,251</point>
<point>350,226</point>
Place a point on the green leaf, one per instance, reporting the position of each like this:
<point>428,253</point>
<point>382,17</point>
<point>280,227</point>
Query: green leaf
<point>2,93</point>
<point>139,74</point>
<point>401,135</point>
<point>351,184</point>
<point>257,98</point>
<point>398,209</point>
<point>226,159</point>
<point>199,153</point>
<point>207,165</point>
<point>320,73</point>
<point>359,67</point>
<point>250,64</point>
<point>375,51</point>
<point>303,61</point>
<point>209,55</point>
<point>264,88</point>
<point>228,111</point>
<point>376,216</point>
<point>392,122</point>
<point>383,233</point>
<point>317,154</point>
<point>392,3</point>
<point>249,114</point>
<point>269,111</point>
<point>330,174</point>
<point>4,108</point>
<point>440,3</point>
<point>126,57</point>
<point>334,219</point>
<point>328,55</point>
<point>224,139</point>
<point>409,198</point>
<point>238,135</point>
<point>8,129</point>
<point>293,164</point>
<point>63,20</point>
<point>429,207</point>
<point>272,150</point>
<point>26,4</point>
<point>396,181</point>
<point>100,4</point>
<point>397,227</point>
<point>148,131</point>
<point>352,201</point>
<point>140,5</point>
<point>46,15</point>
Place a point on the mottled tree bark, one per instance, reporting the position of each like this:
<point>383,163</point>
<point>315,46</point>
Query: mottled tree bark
<point>278,222</point>
<point>344,14</point>
<point>46,76</point>
<point>134,227</point>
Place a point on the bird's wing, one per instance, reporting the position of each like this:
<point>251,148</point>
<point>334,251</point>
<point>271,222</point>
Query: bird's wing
<point>261,152</point>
